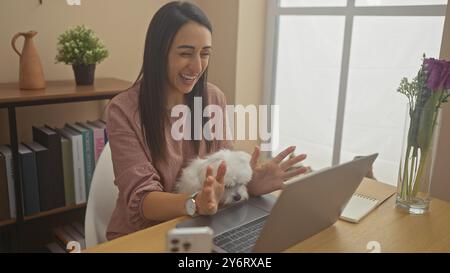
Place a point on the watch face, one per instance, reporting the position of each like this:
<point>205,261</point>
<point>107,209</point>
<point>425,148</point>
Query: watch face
<point>190,207</point>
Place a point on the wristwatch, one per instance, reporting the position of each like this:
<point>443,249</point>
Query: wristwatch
<point>190,205</point>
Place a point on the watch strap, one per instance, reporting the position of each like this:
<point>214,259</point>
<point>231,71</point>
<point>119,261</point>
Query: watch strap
<point>195,202</point>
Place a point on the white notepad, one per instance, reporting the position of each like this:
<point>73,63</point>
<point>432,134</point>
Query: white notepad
<point>358,207</point>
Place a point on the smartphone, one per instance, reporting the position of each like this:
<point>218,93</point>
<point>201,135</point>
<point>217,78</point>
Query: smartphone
<point>190,240</point>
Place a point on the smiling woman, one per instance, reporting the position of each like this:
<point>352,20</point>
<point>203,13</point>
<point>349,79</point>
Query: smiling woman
<point>147,160</point>
<point>188,60</point>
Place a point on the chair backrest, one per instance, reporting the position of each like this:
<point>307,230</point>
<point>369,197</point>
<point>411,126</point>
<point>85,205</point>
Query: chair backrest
<point>102,200</point>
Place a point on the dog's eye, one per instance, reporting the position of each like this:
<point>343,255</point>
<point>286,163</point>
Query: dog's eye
<point>228,187</point>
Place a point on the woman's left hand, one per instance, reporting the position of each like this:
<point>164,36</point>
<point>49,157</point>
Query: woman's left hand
<point>269,176</point>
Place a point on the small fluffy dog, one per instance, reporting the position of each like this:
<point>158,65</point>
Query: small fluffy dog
<point>237,175</point>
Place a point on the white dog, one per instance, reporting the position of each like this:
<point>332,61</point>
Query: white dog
<point>237,175</point>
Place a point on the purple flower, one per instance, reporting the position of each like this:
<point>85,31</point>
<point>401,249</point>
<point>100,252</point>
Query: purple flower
<point>438,72</point>
<point>447,76</point>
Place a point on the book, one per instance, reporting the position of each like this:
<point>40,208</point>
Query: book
<point>369,195</point>
<point>78,227</point>
<point>98,138</point>
<point>4,199</point>
<point>101,124</point>
<point>67,160</point>
<point>78,163</point>
<point>88,153</point>
<point>47,200</point>
<point>28,174</point>
<point>6,151</point>
<point>74,234</point>
<point>48,138</point>
<point>62,237</point>
<point>55,248</point>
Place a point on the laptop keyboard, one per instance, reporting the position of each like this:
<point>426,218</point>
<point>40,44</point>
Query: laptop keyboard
<point>242,238</point>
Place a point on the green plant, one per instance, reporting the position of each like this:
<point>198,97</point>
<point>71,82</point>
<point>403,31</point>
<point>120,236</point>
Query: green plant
<point>79,45</point>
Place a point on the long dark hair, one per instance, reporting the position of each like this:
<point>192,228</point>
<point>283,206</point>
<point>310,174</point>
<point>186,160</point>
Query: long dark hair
<point>153,76</point>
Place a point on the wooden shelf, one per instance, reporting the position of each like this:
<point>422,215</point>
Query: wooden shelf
<point>43,214</point>
<point>54,211</point>
<point>60,92</point>
<point>7,222</point>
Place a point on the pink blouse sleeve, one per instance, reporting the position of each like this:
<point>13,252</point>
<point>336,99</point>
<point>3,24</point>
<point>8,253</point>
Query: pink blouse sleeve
<point>218,97</point>
<point>135,176</point>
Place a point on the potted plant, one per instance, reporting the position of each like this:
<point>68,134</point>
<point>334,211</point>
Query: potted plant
<point>80,47</point>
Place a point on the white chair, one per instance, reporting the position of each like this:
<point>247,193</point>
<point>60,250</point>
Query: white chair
<point>102,200</point>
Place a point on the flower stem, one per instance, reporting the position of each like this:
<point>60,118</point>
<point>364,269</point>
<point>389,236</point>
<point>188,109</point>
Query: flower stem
<point>413,167</point>
<point>436,103</point>
<point>405,179</point>
<point>419,176</point>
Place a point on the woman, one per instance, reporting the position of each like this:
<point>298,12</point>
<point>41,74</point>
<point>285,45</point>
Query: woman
<point>146,159</point>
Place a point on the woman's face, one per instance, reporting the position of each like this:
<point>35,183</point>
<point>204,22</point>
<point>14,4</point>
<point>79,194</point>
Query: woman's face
<point>188,57</point>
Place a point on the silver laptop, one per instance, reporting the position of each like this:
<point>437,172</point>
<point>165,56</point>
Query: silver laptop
<point>307,205</point>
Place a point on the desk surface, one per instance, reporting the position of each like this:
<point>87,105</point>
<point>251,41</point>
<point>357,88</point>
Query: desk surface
<point>395,231</point>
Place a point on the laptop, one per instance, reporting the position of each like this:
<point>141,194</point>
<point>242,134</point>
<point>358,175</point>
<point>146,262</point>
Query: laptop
<point>307,205</point>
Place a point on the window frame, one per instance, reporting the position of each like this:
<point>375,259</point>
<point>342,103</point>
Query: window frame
<point>274,11</point>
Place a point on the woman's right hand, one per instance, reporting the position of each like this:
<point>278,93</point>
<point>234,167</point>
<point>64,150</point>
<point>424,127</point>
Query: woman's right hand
<point>207,200</point>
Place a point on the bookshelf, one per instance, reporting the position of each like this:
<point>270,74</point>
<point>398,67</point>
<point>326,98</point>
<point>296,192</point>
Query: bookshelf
<point>56,92</point>
<point>54,211</point>
<point>44,214</point>
<point>7,222</point>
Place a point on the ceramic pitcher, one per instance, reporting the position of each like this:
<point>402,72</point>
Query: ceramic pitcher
<point>31,75</point>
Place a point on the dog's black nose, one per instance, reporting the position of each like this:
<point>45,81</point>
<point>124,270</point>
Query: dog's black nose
<point>237,197</point>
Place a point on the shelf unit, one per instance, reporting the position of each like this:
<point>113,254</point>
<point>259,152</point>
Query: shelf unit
<point>7,222</point>
<point>54,211</point>
<point>56,92</point>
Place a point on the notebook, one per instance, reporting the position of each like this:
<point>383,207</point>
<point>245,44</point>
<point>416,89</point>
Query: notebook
<point>358,207</point>
<point>369,195</point>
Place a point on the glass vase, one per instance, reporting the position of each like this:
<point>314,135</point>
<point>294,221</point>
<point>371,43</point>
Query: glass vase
<point>416,162</point>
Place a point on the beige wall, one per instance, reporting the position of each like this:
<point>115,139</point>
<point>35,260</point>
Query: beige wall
<point>122,25</point>
<point>250,58</point>
<point>440,185</point>
<point>223,15</point>
<point>237,65</point>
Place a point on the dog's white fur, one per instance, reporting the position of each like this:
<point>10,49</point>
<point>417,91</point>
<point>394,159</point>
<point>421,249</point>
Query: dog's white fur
<point>237,175</point>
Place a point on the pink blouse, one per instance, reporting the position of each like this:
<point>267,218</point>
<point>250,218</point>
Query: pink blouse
<point>135,173</point>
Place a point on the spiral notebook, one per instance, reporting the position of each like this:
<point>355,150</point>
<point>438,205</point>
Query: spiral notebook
<point>369,195</point>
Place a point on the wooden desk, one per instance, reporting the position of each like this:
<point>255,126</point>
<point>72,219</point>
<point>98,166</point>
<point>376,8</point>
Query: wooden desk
<point>393,229</point>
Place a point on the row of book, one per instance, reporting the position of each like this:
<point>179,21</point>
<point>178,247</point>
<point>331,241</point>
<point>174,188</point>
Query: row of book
<point>67,239</point>
<point>56,168</point>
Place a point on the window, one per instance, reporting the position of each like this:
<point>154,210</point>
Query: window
<point>334,67</point>
<point>312,3</point>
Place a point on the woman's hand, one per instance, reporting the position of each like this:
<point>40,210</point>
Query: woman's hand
<point>208,198</point>
<point>269,176</point>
